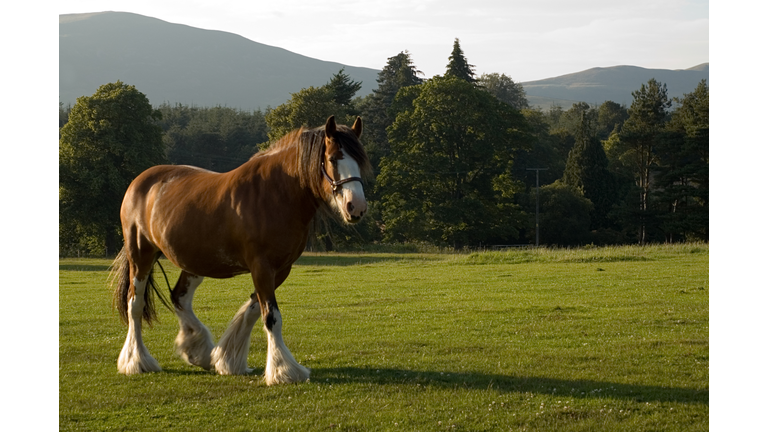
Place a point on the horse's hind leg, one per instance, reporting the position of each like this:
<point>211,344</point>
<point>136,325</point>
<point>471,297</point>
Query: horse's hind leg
<point>194,342</point>
<point>134,357</point>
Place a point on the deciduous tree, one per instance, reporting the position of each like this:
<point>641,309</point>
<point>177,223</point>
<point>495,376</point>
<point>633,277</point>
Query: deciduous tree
<point>564,215</point>
<point>312,106</point>
<point>610,118</point>
<point>505,89</point>
<point>109,139</point>
<point>308,107</point>
<point>447,179</point>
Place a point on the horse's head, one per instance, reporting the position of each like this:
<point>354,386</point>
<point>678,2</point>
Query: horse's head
<point>342,168</point>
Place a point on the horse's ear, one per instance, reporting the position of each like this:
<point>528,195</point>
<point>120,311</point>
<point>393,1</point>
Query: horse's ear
<point>357,128</point>
<point>330,127</point>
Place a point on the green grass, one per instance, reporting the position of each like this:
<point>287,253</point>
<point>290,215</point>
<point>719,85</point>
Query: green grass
<point>564,339</point>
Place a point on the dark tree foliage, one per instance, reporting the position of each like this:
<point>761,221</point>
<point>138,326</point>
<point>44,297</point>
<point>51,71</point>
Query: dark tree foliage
<point>64,114</point>
<point>218,139</point>
<point>343,89</point>
<point>447,179</point>
<point>639,136</point>
<point>610,118</point>
<point>109,138</point>
<point>682,172</point>
<point>458,65</point>
<point>564,215</point>
<point>398,73</point>
<point>570,121</point>
<point>451,157</point>
<point>587,170</point>
<point>547,150</point>
<point>311,107</point>
<point>504,89</point>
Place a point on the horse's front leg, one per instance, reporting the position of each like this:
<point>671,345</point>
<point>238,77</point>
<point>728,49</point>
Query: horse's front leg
<point>281,366</point>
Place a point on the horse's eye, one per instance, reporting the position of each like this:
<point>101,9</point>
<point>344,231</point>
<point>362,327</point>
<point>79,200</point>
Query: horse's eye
<point>333,161</point>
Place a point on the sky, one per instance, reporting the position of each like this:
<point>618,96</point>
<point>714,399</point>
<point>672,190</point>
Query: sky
<point>526,40</point>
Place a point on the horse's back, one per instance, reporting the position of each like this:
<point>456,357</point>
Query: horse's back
<point>165,173</point>
<point>161,202</point>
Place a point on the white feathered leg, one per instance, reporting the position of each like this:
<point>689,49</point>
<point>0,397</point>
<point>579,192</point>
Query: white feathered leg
<point>194,342</point>
<point>230,356</point>
<point>281,366</point>
<point>134,357</point>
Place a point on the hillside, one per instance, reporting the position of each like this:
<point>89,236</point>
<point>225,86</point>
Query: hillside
<point>617,83</point>
<point>177,63</point>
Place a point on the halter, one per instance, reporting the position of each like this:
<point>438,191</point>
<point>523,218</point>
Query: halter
<point>335,185</point>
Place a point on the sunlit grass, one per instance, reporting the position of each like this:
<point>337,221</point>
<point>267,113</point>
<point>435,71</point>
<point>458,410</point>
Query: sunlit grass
<point>542,339</point>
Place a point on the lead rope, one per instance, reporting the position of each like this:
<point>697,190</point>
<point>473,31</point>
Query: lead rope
<point>166,277</point>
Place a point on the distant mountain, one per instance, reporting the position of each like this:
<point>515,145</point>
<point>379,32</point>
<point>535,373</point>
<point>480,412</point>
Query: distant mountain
<point>617,83</point>
<point>177,63</point>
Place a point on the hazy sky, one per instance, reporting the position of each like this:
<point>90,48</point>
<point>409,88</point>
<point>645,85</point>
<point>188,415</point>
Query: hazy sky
<point>527,40</point>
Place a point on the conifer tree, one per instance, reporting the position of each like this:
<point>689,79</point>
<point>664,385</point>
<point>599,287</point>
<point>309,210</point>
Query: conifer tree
<point>639,135</point>
<point>587,169</point>
<point>682,173</point>
<point>343,88</point>
<point>458,66</point>
<point>399,72</point>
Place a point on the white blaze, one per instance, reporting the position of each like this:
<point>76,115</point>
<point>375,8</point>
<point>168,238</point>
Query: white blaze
<point>351,192</point>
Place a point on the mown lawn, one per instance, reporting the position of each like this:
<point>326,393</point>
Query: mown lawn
<point>583,340</point>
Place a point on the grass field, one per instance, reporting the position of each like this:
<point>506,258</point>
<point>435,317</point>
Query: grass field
<point>568,340</point>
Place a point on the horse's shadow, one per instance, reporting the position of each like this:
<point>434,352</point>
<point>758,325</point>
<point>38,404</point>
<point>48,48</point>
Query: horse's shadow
<point>583,389</point>
<point>579,389</point>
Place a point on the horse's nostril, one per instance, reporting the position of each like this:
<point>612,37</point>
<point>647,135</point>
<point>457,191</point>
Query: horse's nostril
<point>350,207</point>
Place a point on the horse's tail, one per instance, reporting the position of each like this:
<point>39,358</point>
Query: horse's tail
<point>120,281</point>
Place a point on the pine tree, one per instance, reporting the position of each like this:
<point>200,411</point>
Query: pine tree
<point>343,88</point>
<point>587,169</point>
<point>458,66</point>
<point>682,172</point>
<point>639,135</point>
<point>397,74</point>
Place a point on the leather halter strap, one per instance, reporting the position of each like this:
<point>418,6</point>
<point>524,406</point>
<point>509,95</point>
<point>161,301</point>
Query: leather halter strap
<point>335,185</point>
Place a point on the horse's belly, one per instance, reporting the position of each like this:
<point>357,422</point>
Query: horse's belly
<point>207,263</point>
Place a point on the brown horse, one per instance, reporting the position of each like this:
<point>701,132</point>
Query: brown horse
<point>254,219</point>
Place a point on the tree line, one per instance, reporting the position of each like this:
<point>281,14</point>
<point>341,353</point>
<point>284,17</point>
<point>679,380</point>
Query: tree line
<point>453,158</point>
